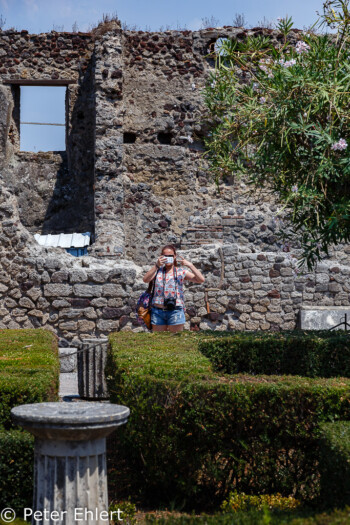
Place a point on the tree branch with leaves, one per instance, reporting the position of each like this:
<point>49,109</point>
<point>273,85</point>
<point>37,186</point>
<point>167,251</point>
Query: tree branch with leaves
<point>280,117</point>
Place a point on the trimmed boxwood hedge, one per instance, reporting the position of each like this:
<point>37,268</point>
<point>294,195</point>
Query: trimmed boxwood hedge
<point>253,517</point>
<point>194,436</point>
<point>335,463</point>
<point>305,353</point>
<point>16,469</point>
<point>29,370</point>
<point>29,373</point>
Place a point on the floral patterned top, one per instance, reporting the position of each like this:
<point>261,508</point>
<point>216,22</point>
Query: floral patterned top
<point>169,286</point>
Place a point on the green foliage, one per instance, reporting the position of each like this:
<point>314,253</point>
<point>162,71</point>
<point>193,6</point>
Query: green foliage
<point>127,512</point>
<point>255,517</point>
<point>17,521</point>
<point>335,463</point>
<point>312,354</point>
<point>280,117</point>
<point>241,501</point>
<point>194,436</point>
<point>16,470</point>
<point>29,370</point>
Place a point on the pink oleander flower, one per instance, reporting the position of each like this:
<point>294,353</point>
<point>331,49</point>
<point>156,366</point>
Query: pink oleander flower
<point>302,47</point>
<point>340,145</point>
<point>264,67</point>
<point>287,63</point>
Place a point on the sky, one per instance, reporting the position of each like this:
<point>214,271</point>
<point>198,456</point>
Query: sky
<point>41,16</point>
<point>38,16</point>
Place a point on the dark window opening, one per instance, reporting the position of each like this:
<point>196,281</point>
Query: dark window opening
<point>129,137</point>
<point>165,137</point>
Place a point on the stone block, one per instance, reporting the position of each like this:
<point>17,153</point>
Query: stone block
<point>78,276</point>
<point>57,290</point>
<point>107,325</point>
<point>34,293</point>
<point>59,277</point>
<point>322,317</point>
<point>25,302</point>
<point>86,326</point>
<point>68,360</point>
<point>69,325</point>
<point>87,290</point>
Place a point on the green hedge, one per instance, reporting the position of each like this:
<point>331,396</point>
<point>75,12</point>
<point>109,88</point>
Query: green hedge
<point>335,463</point>
<point>16,470</point>
<point>29,370</point>
<point>311,354</point>
<point>253,517</point>
<point>194,435</point>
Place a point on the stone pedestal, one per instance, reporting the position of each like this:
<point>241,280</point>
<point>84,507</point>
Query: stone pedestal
<point>92,357</point>
<point>70,474</point>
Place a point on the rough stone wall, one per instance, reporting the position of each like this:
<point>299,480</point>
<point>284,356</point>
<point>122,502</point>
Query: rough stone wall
<point>134,171</point>
<point>47,184</point>
<point>109,192</point>
<point>78,298</point>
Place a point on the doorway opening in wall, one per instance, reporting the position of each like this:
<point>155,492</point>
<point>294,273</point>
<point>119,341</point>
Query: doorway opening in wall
<point>42,118</point>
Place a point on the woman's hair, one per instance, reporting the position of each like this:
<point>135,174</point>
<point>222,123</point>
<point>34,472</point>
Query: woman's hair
<point>170,247</point>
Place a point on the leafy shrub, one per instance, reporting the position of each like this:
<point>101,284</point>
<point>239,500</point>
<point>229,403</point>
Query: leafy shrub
<point>312,354</point>
<point>126,510</point>
<point>335,463</point>
<point>278,119</point>
<point>16,469</point>
<point>255,517</point>
<point>29,373</point>
<point>241,501</point>
<point>29,370</point>
<point>193,435</point>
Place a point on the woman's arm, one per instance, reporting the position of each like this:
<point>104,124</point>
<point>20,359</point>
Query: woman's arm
<point>195,276</point>
<point>152,272</point>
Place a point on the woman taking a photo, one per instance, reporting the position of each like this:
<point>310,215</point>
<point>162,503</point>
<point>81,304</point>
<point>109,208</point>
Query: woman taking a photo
<point>168,298</point>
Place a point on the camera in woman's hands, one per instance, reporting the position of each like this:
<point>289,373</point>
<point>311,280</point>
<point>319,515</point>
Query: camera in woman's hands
<point>170,303</point>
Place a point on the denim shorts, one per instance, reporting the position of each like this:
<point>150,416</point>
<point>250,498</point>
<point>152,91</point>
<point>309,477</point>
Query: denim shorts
<point>167,317</point>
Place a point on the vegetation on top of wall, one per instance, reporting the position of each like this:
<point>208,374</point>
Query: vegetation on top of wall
<point>280,117</point>
<point>29,369</point>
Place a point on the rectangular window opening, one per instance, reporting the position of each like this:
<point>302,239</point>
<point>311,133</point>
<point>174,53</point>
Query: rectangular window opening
<point>43,118</point>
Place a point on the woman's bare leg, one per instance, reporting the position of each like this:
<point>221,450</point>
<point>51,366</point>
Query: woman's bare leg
<point>159,327</point>
<point>175,327</point>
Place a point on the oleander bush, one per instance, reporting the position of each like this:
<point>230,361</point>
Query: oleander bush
<point>195,435</point>
<point>311,354</point>
<point>29,370</point>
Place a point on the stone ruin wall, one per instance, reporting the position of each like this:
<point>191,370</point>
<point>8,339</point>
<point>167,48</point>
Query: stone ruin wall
<point>131,176</point>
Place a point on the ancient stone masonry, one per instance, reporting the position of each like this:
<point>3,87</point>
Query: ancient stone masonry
<point>133,175</point>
